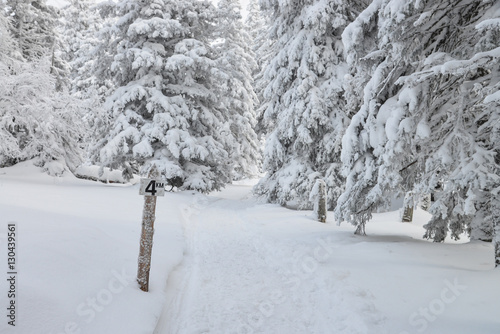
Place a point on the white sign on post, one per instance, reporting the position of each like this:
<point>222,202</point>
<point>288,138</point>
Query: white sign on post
<point>151,187</point>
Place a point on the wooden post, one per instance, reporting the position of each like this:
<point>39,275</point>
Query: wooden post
<point>320,205</point>
<point>146,244</point>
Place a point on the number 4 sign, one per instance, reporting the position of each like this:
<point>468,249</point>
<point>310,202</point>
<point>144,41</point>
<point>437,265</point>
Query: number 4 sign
<point>151,187</point>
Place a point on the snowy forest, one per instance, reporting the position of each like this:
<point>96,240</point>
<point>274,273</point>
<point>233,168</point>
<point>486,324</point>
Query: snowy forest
<point>380,99</point>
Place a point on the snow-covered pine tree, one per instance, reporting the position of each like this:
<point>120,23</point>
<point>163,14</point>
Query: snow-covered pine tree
<point>33,23</point>
<point>460,145</point>
<point>305,116</point>
<point>424,69</point>
<point>235,62</point>
<point>36,122</point>
<point>8,47</point>
<point>34,30</point>
<point>371,57</point>
<point>486,96</point>
<point>258,23</point>
<point>164,108</point>
<point>81,22</point>
<point>486,222</point>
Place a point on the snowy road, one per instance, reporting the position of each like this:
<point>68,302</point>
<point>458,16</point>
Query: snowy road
<point>240,275</point>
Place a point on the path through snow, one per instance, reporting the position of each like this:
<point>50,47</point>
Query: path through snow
<point>241,274</point>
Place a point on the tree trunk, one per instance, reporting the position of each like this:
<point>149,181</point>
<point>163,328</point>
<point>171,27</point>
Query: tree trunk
<point>409,204</point>
<point>496,239</point>
<point>321,201</point>
<point>360,230</point>
<point>408,214</point>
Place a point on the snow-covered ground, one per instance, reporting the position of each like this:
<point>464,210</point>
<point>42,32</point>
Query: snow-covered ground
<point>226,263</point>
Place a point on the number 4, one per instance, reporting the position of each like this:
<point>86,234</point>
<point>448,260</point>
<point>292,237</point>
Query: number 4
<point>151,188</point>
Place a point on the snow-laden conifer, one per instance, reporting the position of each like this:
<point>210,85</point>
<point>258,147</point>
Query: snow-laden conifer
<point>81,21</point>
<point>163,109</point>
<point>34,30</point>
<point>305,107</point>
<point>8,45</point>
<point>235,63</point>
<point>258,23</point>
<point>425,70</point>
<point>36,121</point>
<point>33,26</point>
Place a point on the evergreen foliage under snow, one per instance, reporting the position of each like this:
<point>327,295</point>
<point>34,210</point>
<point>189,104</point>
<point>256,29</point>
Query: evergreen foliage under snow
<point>305,112</point>
<point>428,73</point>
<point>168,108</point>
